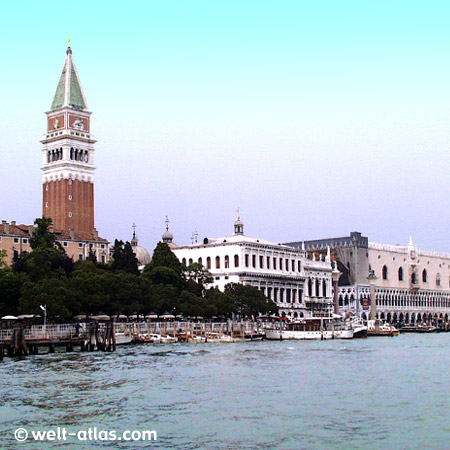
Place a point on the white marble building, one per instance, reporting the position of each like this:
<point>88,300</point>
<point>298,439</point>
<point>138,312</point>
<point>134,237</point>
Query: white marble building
<point>296,284</point>
<point>412,285</point>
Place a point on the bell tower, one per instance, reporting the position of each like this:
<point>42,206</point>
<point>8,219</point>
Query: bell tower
<point>68,156</point>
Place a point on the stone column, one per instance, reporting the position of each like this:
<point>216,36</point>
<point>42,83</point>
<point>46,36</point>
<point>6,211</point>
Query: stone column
<point>373,303</point>
<point>335,275</point>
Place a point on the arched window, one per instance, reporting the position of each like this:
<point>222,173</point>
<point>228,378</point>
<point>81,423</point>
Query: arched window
<point>424,276</point>
<point>236,260</point>
<point>413,278</point>
<point>438,279</point>
<point>227,262</point>
<point>324,288</point>
<point>183,261</point>
<point>208,263</point>
<point>400,274</point>
<point>217,262</point>
<point>71,152</point>
<point>317,287</point>
<point>190,261</point>
<point>200,261</point>
<point>310,287</point>
<point>385,273</point>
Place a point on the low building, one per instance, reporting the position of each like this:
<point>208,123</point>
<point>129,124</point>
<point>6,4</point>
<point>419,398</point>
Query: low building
<point>412,285</point>
<point>298,285</point>
<point>15,239</point>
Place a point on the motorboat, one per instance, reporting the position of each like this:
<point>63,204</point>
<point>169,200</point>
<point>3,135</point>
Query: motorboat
<point>311,328</point>
<point>148,338</point>
<point>253,336</point>
<point>421,328</point>
<point>196,339</point>
<point>359,328</point>
<point>123,338</point>
<point>378,327</point>
<point>167,339</point>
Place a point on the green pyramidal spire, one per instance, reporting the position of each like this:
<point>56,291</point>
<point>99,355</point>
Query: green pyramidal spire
<point>69,91</point>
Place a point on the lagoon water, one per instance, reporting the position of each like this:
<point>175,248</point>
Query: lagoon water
<point>377,393</point>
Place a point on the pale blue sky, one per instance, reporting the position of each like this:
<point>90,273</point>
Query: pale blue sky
<point>316,118</point>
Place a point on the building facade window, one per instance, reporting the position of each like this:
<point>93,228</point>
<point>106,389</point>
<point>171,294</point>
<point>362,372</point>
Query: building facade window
<point>400,274</point>
<point>236,260</point>
<point>227,262</point>
<point>217,262</point>
<point>424,276</point>
<point>385,272</point>
<point>208,263</point>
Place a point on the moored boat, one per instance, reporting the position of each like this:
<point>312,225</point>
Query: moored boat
<point>359,329</point>
<point>123,338</point>
<point>311,328</point>
<point>168,339</point>
<point>419,329</point>
<point>379,328</point>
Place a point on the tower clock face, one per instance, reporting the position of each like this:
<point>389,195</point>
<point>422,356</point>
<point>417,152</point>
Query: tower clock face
<point>78,124</point>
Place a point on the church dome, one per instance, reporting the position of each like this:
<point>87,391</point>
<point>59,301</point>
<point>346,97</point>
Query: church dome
<point>142,255</point>
<point>167,236</point>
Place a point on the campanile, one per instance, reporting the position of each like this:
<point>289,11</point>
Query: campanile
<point>68,156</point>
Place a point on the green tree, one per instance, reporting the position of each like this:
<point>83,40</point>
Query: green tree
<point>47,259</point>
<point>42,237</point>
<point>124,258</point>
<point>163,256</point>
<point>56,293</point>
<point>10,290</point>
<point>249,300</point>
<point>2,258</point>
<point>92,286</point>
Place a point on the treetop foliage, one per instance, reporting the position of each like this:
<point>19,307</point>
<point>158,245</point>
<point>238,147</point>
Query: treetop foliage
<point>48,276</point>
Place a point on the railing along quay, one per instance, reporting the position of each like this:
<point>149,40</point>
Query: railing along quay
<point>20,341</point>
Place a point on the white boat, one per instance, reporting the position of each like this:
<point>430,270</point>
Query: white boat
<point>196,339</point>
<point>123,338</point>
<point>273,334</point>
<point>311,328</point>
<point>359,329</point>
<point>380,328</point>
<point>168,339</point>
<point>148,338</point>
<point>226,338</point>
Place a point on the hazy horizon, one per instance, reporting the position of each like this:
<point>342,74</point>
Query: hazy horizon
<point>315,119</point>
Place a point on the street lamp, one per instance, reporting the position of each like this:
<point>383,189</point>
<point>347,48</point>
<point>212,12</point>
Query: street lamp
<point>44,308</point>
